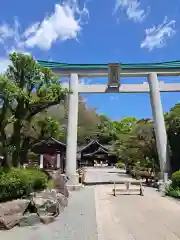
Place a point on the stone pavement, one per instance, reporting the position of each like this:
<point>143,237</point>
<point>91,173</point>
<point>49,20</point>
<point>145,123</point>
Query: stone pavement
<point>130,217</point>
<point>105,175</point>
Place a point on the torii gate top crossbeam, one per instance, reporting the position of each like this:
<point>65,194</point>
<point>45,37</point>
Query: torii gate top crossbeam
<point>127,70</point>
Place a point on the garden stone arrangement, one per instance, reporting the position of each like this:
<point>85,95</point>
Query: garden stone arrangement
<point>40,207</point>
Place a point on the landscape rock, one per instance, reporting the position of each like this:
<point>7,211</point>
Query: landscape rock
<point>12,212</point>
<point>52,208</point>
<point>60,183</point>
<point>63,201</point>
<point>42,207</point>
<point>46,203</point>
<point>13,207</point>
<point>9,221</point>
<point>29,219</point>
<point>47,219</point>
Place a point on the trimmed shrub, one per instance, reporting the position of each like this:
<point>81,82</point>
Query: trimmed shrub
<point>175,179</point>
<point>173,192</point>
<point>120,164</point>
<point>51,184</point>
<point>17,183</point>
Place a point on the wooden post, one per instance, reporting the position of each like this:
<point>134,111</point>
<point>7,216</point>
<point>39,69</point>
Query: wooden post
<point>114,189</point>
<point>127,186</point>
<point>141,189</point>
<point>41,161</point>
<point>58,161</point>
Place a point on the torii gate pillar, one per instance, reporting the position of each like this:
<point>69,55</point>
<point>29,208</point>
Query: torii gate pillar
<point>71,149</point>
<point>159,125</point>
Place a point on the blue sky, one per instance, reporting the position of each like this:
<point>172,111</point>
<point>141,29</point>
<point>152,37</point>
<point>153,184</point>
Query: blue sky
<point>92,31</point>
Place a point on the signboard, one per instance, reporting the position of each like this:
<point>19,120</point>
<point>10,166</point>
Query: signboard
<point>114,70</point>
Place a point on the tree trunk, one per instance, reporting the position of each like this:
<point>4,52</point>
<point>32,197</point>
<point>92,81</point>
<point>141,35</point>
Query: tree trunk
<point>16,141</point>
<point>4,162</point>
<point>24,152</point>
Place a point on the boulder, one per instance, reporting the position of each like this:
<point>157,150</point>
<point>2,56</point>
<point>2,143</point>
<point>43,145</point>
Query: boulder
<point>12,212</point>
<point>63,201</point>
<point>46,203</point>
<point>60,183</point>
<point>29,219</point>
<point>52,208</point>
<point>15,206</point>
<point>46,219</point>
<point>42,207</point>
<point>9,221</point>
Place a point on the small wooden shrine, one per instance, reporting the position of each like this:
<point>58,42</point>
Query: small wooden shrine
<point>51,153</point>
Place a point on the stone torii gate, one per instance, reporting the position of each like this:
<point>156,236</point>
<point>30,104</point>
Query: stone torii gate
<point>114,72</point>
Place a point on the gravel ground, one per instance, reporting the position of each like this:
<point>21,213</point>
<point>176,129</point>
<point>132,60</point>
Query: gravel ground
<point>77,222</point>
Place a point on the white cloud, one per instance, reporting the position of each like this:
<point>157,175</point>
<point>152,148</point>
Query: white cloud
<point>64,23</point>
<point>14,43</point>
<point>61,25</point>
<point>132,9</point>
<point>156,36</point>
<point>31,30</point>
<point>4,63</point>
<point>5,32</point>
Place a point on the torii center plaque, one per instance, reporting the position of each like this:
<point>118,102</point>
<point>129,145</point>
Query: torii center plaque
<point>114,70</point>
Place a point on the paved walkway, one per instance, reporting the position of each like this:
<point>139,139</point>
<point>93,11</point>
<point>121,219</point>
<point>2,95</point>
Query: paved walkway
<point>135,217</point>
<point>95,214</point>
<point>100,175</point>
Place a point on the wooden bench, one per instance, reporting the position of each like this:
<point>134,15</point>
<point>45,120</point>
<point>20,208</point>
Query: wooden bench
<point>127,189</point>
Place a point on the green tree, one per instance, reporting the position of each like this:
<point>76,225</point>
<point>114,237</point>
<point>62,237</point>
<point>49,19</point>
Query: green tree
<point>39,89</point>
<point>172,119</point>
<point>115,130</point>
<point>50,127</point>
<point>43,126</point>
<point>9,93</point>
<point>137,145</point>
<point>88,120</point>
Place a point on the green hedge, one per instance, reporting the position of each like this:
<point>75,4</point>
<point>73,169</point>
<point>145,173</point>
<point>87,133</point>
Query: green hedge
<point>175,179</point>
<point>120,164</point>
<point>173,192</point>
<point>16,183</point>
<point>173,189</point>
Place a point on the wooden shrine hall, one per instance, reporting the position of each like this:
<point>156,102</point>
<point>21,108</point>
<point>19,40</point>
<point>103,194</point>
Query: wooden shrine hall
<point>93,153</point>
<point>51,153</point>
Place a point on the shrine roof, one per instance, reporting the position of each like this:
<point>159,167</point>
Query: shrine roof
<point>48,145</point>
<point>99,150</point>
<point>84,147</point>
